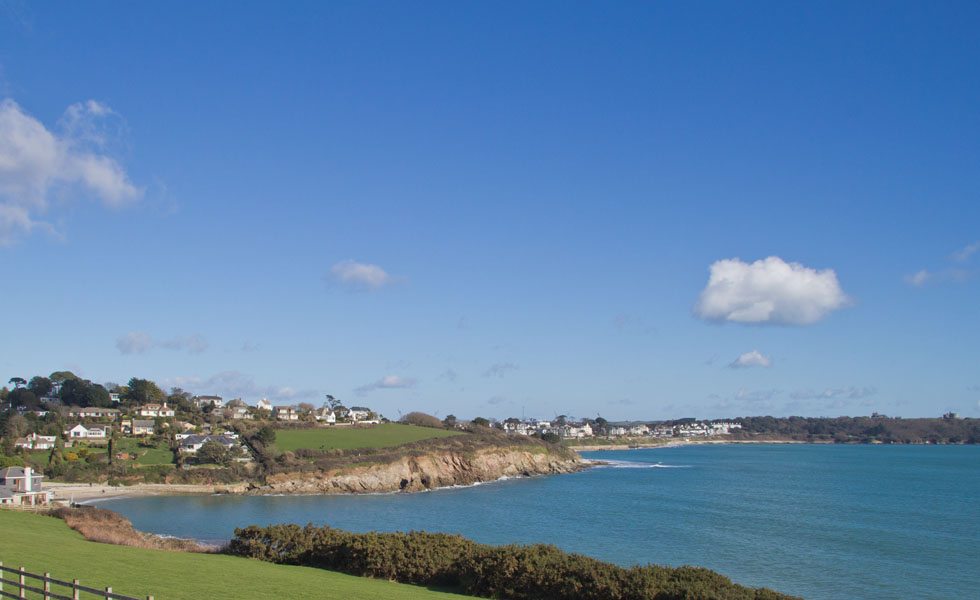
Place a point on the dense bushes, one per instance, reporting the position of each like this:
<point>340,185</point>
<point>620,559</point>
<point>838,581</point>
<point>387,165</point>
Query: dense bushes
<point>862,430</point>
<point>421,419</point>
<point>514,572</point>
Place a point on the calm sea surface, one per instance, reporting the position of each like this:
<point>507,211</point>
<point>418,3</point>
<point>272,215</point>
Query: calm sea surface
<point>822,522</point>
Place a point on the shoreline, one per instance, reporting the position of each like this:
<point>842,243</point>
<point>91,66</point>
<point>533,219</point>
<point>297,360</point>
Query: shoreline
<point>679,443</point>
<point>81,493</point>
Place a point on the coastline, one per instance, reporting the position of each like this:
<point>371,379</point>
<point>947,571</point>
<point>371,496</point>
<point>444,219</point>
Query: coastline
<point>678,443</point>
<point>84,492</point>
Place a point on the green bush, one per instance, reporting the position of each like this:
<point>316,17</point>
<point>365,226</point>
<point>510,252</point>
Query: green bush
<point>514,572</point>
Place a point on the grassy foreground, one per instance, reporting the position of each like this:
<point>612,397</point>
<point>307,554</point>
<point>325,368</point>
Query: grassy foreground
<point>40,543</point>
<point>349,438</point>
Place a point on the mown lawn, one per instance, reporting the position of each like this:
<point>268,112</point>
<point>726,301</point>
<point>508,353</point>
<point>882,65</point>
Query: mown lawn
<point>41,544</point>
<point>347,438</point>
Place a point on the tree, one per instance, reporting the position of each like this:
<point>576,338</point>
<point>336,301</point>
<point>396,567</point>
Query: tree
<point>23,397</point>
<point>17,381</point>
<point>481,422</point>
<point>421,419</point>
<point>333,403</point>
<point>305,408</point>
<point>212,452</point>
<point>143,391</point>
<point>551,438</point>
<point>449,421</point>
<point>81,392</point>
<point>41,386</point>
<point>266,435</point>
<point>62,376</point>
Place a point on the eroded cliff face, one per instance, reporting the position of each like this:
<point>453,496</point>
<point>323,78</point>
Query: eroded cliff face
<point>414,474</point>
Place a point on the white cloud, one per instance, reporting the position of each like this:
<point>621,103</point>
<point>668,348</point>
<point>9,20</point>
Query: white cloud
<point>963,254</point>
<point>850,392</point>
<point>500,369</point>
<point>360,276</point>
<point>919,278</point>
<point>751,359</point>
<point>138,342</point>
<point>769,291</point>
<point>36,163</point>
<point>954,274</point>
<point>387,382</point>
<point>235,384</point>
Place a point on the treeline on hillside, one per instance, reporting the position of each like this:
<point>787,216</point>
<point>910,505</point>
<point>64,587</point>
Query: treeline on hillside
<point>514,572</point>
<point>862,430</point>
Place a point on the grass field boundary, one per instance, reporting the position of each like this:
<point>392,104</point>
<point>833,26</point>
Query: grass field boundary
<point>20,585</point>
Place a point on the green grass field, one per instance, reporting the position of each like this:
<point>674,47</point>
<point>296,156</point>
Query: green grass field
<point>348,438</point>
<point>45,544</point>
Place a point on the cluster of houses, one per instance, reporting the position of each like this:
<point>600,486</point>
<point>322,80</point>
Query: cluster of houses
<point>686,428</point>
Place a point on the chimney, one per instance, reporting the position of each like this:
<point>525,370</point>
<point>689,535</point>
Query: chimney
<point>28,481</point>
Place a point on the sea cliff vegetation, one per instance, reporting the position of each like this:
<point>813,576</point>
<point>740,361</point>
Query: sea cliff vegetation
<point>514,572</point>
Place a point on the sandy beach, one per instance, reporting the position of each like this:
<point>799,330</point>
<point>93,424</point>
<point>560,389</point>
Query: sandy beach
<point>84,492</point>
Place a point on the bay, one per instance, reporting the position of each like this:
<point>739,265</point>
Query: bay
<point>819,521</point>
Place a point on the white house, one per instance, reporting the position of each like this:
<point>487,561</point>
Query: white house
<point>264,405</point>
<point>358,413</point>
<point>86,432</point>
<point>286,413</point>
<point>93,412</point>
<point>36,442</point>
<point>156,410</point>
<point>206,401</point>
<point>240,412</point>
<point>20,486</point>
<point>325,415</point>
<point>192,443</point>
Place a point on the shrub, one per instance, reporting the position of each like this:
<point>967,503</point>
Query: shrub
<point>421,419</point>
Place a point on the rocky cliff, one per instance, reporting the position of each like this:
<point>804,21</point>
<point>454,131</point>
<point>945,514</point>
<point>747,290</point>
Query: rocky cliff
<point>418,473</point>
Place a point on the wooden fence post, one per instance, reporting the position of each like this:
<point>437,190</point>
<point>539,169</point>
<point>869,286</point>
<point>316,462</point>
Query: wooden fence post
<point>23,582</point>
<point>1,578</point>
<point>47,585</point>
<point>74,589</point>
<point>108,592</point>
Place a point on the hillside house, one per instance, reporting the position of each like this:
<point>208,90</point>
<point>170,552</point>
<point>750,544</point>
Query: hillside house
<point>203,402</point>
<point>21,486</point>
<point>156,410</point>
<point>239,412</point>
<point>87,432</point>
<point>358,413</point>
<point>285,413</point>
<point>264,405</point>
<point>93,412</point>
<point>36,442</point>
<point>192,443</point>
<point>325,415</point>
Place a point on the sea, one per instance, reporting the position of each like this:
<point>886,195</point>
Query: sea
<point>825,522</point>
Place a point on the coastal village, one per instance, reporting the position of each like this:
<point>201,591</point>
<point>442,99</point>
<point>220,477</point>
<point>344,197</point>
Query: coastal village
<point>46,433</point>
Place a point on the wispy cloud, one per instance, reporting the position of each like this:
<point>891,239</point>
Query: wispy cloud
<point>387,382</point>
<point>235,384</point>
<point>37,164</point>
<point>500,369</point>
<point>963,254</point>
<point>850,392</point>
<point>633,323</point>
<point>769,291</point>
<point>139,342</point>
<point>360,276</point>
<point>449,375</point>
<point>751,359</point>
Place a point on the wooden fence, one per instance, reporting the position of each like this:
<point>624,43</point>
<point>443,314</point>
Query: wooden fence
<point>19,585</point>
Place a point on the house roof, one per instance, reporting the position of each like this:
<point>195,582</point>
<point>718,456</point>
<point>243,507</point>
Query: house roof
<point>143,422</point>
<point>194,440</point>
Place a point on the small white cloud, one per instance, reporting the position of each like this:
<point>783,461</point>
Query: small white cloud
<point>919,278</point>
<point>36,163</point>
<point>769,291</point>
<point>963,254</point>
<point>387,382</point>
<point>500,369</point>
<point>138,342</point>
<point>751,359</point>
<point>360,276</point>
<point>235,384</point>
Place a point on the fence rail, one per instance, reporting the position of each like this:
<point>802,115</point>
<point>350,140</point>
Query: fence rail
<point>19,585</point>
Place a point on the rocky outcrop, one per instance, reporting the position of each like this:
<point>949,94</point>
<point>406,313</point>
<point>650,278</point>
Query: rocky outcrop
<point>418,473</point>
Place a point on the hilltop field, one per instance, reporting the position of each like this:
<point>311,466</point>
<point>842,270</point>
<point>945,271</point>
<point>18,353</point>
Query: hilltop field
<point>349,438</point>
<point>45,544</point>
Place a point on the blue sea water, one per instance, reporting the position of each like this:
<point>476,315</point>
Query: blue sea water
<point>820,521</point>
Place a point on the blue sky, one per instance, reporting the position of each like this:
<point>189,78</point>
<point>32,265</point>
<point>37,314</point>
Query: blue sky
<point>636,210</point>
